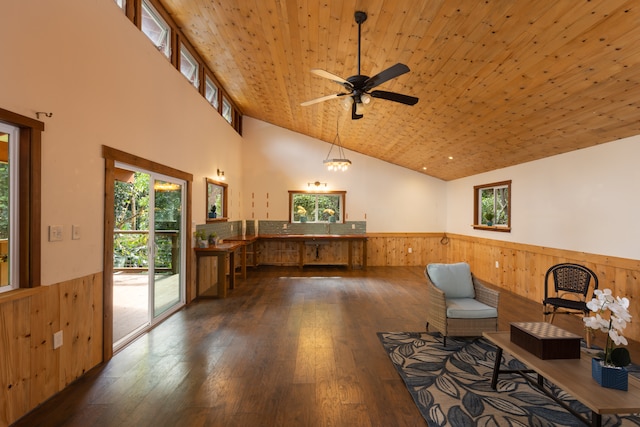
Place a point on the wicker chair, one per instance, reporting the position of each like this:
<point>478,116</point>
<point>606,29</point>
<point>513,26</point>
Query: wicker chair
<point>458,303</point>
<point>567,292</point>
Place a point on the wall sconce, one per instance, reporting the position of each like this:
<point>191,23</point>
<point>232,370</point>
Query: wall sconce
<point>221,175</point>
<point>316,184</point>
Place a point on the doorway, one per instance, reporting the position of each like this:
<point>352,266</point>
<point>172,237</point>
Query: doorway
<point>148,250</point>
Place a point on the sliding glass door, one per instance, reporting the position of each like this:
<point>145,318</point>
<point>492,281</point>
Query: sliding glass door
<point>149,259</point>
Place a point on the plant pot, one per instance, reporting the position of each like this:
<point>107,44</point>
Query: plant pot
<point>203,243</point>
<point>332,218</point>
<point>489,223</point>
<point>303,219</point>
<point>609,376</point>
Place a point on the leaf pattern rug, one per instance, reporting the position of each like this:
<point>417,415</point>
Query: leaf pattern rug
<point>452,385</point>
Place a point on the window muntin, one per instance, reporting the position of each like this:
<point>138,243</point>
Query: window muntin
<point>156,29</point>
<point>9,232</point>
<point>317,207</point>
<point>226,110</point>
<point>211,92</point>
<point>189,67</point>
<point>492,206</point>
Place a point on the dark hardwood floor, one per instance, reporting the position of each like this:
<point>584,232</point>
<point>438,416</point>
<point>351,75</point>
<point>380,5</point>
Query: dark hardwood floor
<point>288,347</point>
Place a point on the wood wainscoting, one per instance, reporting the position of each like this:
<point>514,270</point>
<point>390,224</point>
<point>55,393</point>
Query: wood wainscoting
<point>31,371</point>
<point>521,268</point>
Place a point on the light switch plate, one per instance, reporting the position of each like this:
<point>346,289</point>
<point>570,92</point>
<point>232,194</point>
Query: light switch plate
<point>55,233</point>
<point>75,232</point>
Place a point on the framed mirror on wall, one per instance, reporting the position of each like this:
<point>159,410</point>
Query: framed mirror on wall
<point>216,201</point>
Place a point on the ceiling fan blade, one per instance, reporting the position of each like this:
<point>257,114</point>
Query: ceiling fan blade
<point>322,99</point>
<point>327,75</point>
<point>393,96</point>
<point>386,75</point>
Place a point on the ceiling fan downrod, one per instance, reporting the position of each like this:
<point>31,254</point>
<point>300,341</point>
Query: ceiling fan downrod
<point>360,18</point>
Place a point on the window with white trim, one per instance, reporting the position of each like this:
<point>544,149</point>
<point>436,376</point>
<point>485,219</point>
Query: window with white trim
<point>122,4</point>
<point>226,110</point>
<point>492,206</point>
<point>211,92</point>
<point>189,67</point>
<point>316,207</point>
<point>9,232</point>
<point>154,27</point>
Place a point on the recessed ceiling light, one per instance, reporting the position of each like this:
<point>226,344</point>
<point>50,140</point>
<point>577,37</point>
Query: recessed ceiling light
<point>450,157</point>
<point>424,168</point>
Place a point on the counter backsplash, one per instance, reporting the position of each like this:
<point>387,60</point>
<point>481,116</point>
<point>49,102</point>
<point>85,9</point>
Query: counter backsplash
<point>234,228</point>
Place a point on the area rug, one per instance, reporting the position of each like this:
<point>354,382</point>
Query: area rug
<point>452,385</point>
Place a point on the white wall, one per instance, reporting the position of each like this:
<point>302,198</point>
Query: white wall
<point>586,200</point>
<point>388,197</point>
<point>106,84</point>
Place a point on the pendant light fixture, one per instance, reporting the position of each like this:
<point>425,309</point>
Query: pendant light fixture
<point>341,163</point>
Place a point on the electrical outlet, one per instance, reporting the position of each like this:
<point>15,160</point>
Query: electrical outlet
<point>55,233</point>
<point>75,232</point>
<point>284,226</point>
<point>497,264</point>
<point>410,250</point>
<point>353,226</point>
<point>57,340</point>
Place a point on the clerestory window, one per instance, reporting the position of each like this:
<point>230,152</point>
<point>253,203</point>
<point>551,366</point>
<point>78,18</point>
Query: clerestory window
<point>154,27</point>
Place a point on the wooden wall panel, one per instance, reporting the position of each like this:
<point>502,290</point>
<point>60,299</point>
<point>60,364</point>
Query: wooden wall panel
<point>15,331</point>
<point>45,318</point>
<point>392,249</point>
<point>521,268</point>
<point>31,371</point>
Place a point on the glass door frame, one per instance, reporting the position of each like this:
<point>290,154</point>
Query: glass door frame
<point>111,156</point>
<point>153,319</point>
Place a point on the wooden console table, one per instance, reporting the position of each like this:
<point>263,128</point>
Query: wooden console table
<point>245,242</point>
<point>572,376</point>
<point>220,251</point>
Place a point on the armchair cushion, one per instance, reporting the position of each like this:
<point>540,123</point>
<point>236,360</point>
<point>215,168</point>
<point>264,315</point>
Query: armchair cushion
<point>453,279</point>
<point>469,308</point>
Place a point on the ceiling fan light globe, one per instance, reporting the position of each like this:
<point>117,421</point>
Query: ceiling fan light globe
<point>346,103</point>
<point>359,108</point>
<point>365,98</point>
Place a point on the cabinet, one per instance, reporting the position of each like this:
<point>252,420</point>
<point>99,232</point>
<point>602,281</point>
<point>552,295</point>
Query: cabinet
<point>306,249</point>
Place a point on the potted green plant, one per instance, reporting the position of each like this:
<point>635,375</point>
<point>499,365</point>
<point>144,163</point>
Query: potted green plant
<point>302,213</point>
<point>201,238</point>
<point>213,239</point>
<point>489,217</point>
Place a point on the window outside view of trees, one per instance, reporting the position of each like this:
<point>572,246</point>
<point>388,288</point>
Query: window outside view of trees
<point>492,203</point>
<point>131,209</point>
<point>8,211</point>
<point>216,201</point>
<point>156,29</point>
<point>316,207</point>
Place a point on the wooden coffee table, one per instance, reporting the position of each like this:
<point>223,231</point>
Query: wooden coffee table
<point>572,376</point>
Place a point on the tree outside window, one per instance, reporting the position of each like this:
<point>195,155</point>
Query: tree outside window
<point>316,207</point>
<point>492,206</point>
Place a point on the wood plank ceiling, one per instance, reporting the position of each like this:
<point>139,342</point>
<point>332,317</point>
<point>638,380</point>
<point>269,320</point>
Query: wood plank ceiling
<point>500,82</point>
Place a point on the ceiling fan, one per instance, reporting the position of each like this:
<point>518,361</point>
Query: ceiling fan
<point>359,87</point>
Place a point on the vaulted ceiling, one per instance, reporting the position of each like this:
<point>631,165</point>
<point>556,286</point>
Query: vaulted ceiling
<point>500,82</point>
